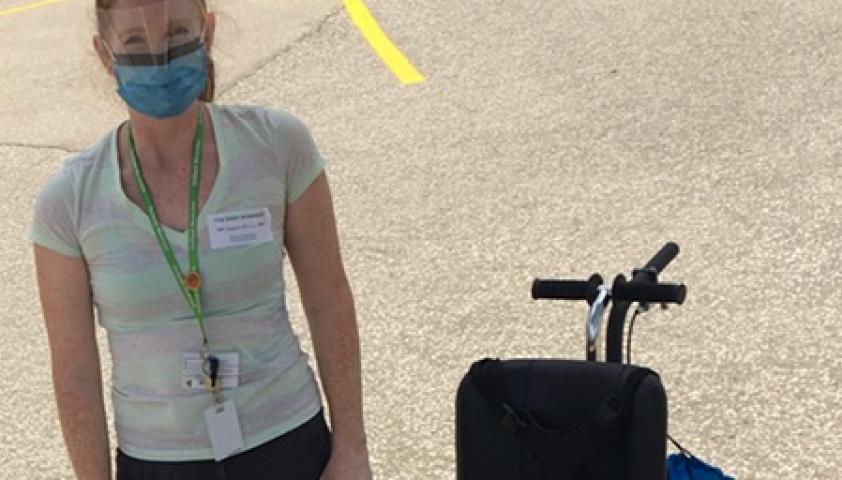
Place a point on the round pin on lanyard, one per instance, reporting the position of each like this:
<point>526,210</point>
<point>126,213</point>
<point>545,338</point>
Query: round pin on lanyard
<point>190,283</point>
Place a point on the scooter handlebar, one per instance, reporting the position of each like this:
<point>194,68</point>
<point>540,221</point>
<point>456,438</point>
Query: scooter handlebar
<point>623,290</point>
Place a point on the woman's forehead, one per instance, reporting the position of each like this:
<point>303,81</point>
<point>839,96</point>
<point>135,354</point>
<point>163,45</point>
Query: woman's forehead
<point>153,3</point>
<point>151,9</point>
<point>146,14</point>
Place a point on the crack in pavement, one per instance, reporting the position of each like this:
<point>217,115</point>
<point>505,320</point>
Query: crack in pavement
<point>61,148</point>
<point>283,50</point>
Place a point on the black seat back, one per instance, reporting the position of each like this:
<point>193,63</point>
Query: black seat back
<point>560,419</point>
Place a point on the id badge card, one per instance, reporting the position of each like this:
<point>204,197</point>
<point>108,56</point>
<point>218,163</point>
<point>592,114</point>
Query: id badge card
<point>193,377</point>
<point>224,430</point>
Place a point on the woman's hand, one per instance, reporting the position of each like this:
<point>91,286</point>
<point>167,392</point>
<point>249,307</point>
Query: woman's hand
<point>347,462</point>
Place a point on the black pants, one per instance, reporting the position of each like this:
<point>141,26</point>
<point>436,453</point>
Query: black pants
<point>300,454</point>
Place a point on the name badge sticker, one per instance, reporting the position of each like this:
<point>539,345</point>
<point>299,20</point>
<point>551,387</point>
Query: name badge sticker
<point>242,228</point>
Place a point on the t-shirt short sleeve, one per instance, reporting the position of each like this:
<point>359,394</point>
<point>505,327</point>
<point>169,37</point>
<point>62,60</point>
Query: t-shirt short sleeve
<point>53,223</point>
<point>303,162</point>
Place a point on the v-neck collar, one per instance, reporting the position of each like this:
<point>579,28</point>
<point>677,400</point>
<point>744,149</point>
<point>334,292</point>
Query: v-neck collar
<point>139,215</point>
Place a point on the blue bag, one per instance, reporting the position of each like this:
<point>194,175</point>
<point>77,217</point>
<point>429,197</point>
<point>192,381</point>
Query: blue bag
<point>683,466</point>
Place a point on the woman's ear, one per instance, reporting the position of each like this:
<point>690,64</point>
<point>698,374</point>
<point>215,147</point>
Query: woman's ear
<point>210,30</point>
<point>102,53</point>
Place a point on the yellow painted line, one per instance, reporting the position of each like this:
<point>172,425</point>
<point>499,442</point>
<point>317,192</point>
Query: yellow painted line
<point>23,8</point>
<point>391,56</point>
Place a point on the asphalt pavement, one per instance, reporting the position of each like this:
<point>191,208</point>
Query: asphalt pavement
<point>549,139</point>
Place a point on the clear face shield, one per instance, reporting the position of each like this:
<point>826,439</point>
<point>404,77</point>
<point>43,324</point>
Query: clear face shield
<point>147,33</point>
<point>158,52</point>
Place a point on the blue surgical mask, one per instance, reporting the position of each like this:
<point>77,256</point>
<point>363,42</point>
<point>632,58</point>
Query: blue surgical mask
<point>165,88</point>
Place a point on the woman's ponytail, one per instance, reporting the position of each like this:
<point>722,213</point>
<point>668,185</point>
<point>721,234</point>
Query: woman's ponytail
<point>210,82</point>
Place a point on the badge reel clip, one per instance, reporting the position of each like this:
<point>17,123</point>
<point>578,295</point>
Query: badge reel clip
<point>210,367</point>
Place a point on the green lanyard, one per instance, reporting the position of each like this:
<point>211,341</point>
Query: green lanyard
<point>190,283</point>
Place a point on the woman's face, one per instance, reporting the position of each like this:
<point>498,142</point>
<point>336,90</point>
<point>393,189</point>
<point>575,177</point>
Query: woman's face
<point>138,28</point>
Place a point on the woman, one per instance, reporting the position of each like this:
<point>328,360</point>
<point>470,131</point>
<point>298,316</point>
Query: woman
<point>175,226</point>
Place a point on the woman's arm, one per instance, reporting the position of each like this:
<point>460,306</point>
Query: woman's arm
<point>312,244</point>
<point>64,289</point>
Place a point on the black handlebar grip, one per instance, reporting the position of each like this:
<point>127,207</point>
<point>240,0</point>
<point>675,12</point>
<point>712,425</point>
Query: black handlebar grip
<point>649,292</point>
<point>560,289</point>
<point>661,259</point>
